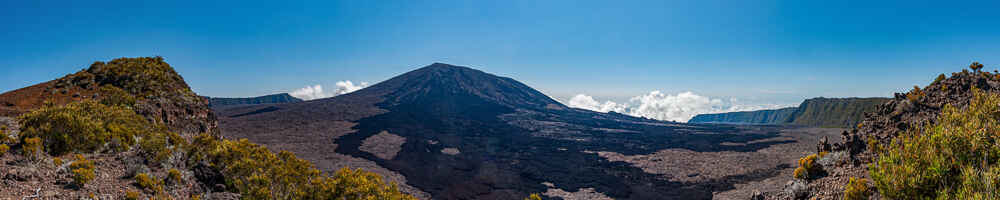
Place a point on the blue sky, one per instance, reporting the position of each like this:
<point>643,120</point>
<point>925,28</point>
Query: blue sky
<point>759,52</point>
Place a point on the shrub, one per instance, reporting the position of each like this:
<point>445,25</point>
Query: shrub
<point>533,197</point>
<point>158,146</point>
<point>975,66</point>
<point>174,176</point>
<point>856,189</point>
<point>131,195</point>
<point>84,126</point>
<point>83,170</point>
<point>801,173</point>
<point>939,78</point>
<point>144,76</point>
<point>3,149</point>
<point>57,161</point>
<point>257,173</point>
<point>115,96</point>
<point>956,158</point>
<point>914,94</point>
<point>807,166</point>
<point>148,182</point>
<point>32,147</point>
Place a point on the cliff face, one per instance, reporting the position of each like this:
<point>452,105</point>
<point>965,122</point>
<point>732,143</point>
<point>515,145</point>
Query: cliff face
<point>747,117</point>
<point>269,99</point>
<point>820,112</point>
<point>833,112</point>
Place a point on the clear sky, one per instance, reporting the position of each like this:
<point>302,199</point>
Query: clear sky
<point>761,52</point>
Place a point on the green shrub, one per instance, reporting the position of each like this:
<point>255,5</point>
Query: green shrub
<point>533,197</point>
<point>939,78</point>
<point>57,161</point>
<point>856,189</point>
<point>84,126</point>
<point>257,173</point>
<point>131,195</point>
<point>32,147</point>
<point>148,182</point>
<point>83,170</point>
<point>956,158</point>
<point>158,146</point>
<point>143,76</point>
<point>3,149</point>
<point>174,176</point>
<point>915,94</point>
<point>116,96</point>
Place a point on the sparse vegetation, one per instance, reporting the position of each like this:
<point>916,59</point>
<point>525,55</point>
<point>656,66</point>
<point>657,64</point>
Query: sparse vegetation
<point>856,189</point>
<point>975,66</point>
<point>174,176</point>
<point>939,78</point>
<point>83,170</point>
<point>149,183</point>
<point>131,195</point>
<point>533,197</point>
<point>915,94</point>
<point>957,158</point>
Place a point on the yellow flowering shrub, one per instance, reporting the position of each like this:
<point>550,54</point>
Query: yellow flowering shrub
<point>83,170</point>
<point>808,167</point>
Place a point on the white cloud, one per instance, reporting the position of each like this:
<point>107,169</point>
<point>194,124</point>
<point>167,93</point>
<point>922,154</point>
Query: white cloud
<point>316,91</point>
<point>344,87</point>
<point>587,102</point>
<point>657,105</point>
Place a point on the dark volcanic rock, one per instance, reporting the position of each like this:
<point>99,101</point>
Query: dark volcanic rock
<point>511,138</point>
<point>890,119</point>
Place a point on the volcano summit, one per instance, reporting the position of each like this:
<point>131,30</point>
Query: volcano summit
<point>452,132</point>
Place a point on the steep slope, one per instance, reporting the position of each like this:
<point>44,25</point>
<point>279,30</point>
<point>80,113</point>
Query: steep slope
<point>160,93</point>
<point>834,112</point>
<point>459,133</point>
<point>775,116</point>
<point>217,102</point>
<point>887,121</point>
<point>818,112</point>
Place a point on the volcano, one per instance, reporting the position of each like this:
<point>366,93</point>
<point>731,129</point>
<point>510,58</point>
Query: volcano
<point>453,132</point>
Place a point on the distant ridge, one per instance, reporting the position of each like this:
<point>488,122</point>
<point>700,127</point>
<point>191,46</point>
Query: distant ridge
<point>747,117</point>
<point>268,99</point>
<point>819,112</point>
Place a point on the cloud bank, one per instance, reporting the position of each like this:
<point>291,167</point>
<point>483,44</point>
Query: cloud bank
<point>680,107</point>
<point>316,91</point>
